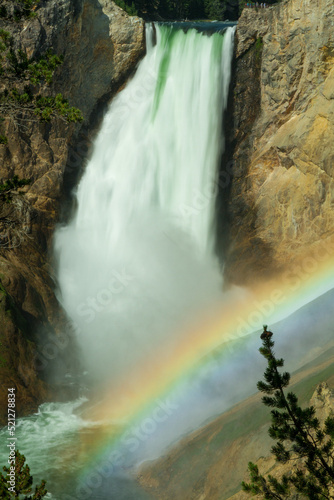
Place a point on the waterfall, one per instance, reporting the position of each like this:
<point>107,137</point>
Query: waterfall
<point>137,258</point>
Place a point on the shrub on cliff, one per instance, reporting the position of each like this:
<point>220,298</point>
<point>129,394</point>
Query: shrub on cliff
<point>129,8</point>
<point>299,436</point>
<point>27,84</point>
<point>10,185</point>
<point>177,9</point>
<point>18,9</point>
<point>18,481</point>
<point>214,9</point>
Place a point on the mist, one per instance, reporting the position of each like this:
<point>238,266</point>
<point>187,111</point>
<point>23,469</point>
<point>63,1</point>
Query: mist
<point>136,267</point>
<point>136,264</point>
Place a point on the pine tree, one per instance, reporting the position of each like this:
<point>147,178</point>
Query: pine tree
<point>23,482</point>
<point>175,9</point>
<point>298,434</point>
<point>215,9</point>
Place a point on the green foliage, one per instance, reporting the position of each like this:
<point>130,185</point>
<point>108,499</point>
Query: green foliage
<point>43,69</point>
<point>34,72</point>
<point>50,106</point>
<point>258,47</point>
<point>242,5</point>
<point>37,71</point>
<point>18,62</point>
<point>28,4</point>
<point>17,10</point>
<point>299,436</point>
<point>130,9</point>
<point>149,9</point>
<point>4,35</point>
<point>23,482</point>
<point>175,9</point>
<point>45,107</point>
<point>10,185</point>
<point>3,11</point>
<point>192,9</point>
<point>3,139</point>
<point>28,8</point>
<point>14,95</point>
<point>214,9</point>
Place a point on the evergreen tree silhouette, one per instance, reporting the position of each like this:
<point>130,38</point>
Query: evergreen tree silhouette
<point>23,482</point>
<point>299,436</point>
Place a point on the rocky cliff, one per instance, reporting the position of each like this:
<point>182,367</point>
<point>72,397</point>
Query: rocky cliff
<point>101,46</point>
<point>281,136</point>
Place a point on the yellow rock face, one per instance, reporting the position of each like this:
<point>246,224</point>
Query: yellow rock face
<point>285,163</point>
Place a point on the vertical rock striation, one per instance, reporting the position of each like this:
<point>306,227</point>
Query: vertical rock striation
<point>282,134</point>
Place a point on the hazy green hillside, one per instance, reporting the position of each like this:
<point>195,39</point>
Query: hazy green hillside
<point>212,462</point>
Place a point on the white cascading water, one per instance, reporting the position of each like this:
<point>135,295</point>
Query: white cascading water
<point>137,259</point>
<point>136,262</point>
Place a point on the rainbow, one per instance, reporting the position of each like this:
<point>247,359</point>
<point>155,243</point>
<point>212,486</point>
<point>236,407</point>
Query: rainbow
<point>242,313</point>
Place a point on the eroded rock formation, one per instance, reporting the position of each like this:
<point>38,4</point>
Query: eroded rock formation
<point>282,135</point>
<point>101,46</point>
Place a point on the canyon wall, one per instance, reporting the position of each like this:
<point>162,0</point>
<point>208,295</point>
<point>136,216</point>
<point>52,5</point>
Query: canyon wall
<point>101,46</point>
<point>211,463</point>
<point>281,136</point>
